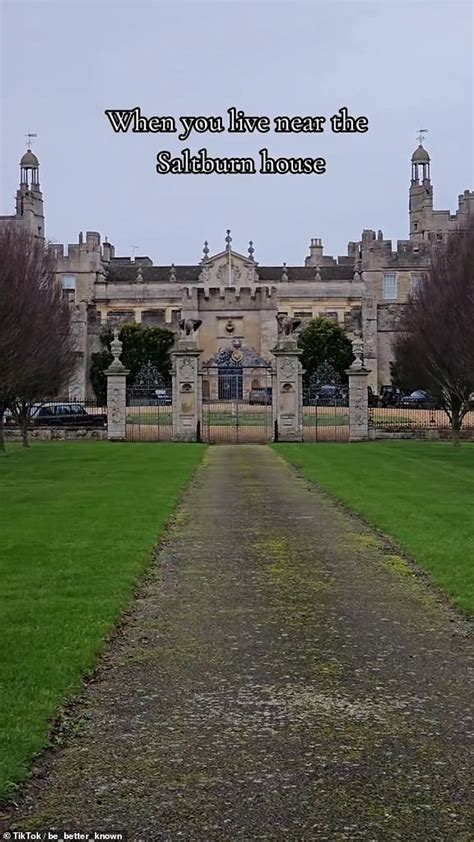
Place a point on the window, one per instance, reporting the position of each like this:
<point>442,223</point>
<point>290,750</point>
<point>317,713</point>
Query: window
<point>416,282</point>
<point>331,315</point>
<point>69,282</point>
<point>390,290</point>
<point>303,314</point>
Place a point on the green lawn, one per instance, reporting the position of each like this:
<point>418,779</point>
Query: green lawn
<point>421,493</point>
<point>78,522</point>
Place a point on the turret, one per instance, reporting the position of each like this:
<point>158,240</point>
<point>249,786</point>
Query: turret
<point>421,195</point>
<point>29,199</point>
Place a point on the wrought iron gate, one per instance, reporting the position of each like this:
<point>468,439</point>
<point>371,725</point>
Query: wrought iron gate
<point>237,404</point>
<point>325,407</point>
<point>149,407</point>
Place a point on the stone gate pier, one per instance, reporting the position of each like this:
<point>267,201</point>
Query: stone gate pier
<point>287,384</point>
<point>358,394</point>
<point>116,393</point>
<point>187,384</point>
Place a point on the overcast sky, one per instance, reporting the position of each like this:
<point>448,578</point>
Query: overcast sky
<point>405,65</point>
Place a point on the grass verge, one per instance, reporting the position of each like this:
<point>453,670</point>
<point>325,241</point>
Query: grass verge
<point>421,493</point>
<point>78,525</point>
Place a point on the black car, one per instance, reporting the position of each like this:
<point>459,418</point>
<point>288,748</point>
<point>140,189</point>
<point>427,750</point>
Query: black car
<point>372,398</point>
<point>66,415</point>
<point>391,396</point>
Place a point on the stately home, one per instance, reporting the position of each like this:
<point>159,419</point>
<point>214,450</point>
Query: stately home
<point>235,296</point>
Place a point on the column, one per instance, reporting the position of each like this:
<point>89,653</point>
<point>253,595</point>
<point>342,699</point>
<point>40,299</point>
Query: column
<point>358,394</point>
<point>187,390</point>
<point>287,390</point>
<point>116,394</point>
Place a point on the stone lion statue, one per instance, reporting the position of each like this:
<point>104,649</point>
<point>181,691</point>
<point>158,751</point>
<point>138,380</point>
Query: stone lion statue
<point>287,324</point>
<point>190,326</point>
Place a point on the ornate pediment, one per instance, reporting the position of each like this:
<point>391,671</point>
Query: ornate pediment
<point>228,269</point>
<point>237,356</point>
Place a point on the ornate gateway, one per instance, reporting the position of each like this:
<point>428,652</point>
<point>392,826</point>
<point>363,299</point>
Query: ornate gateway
<point>237,396</point>
<point>325,406</point>
<point>149,406</point>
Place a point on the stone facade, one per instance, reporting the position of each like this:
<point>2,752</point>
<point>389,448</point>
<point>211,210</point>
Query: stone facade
<point>236,297</point>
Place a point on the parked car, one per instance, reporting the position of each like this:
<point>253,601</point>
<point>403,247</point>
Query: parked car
<point>372,397</point>
<point>419,399</point>
<point>330,395</point>
<point>8,418</point>
<point>66,415</point>
<point>391,396</point>
<point>262,396</point>
<point>163,397</point>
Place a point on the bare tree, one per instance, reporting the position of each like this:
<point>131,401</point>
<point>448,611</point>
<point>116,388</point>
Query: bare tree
<point>435,346</point>
<point>36,346</point>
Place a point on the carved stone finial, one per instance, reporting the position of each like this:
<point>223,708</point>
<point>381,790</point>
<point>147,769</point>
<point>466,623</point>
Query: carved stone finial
<point>317,274</point>
<point>205,250</point>
<point>139,275</point>
<point>172,273</point>
<point>358,351</point>
<point>284,274</point>
<point>228,240</point>
<point>116,347</point>
<point>251,250</point>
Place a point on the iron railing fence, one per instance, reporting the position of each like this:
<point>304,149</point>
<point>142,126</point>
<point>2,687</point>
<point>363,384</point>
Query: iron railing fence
<point>325,406</point>
<point>325,411</point>
<point>149,415</point>
<point>401,418</point>
<point>325,422</point>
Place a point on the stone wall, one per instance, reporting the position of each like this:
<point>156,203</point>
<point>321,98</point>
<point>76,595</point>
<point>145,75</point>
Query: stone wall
<point>57,434</point>
<point>427,434</point>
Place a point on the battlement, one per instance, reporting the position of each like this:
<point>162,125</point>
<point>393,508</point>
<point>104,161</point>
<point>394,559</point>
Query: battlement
<point>75,252</point>
<point>236,298</point>
<point>466,201</point>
